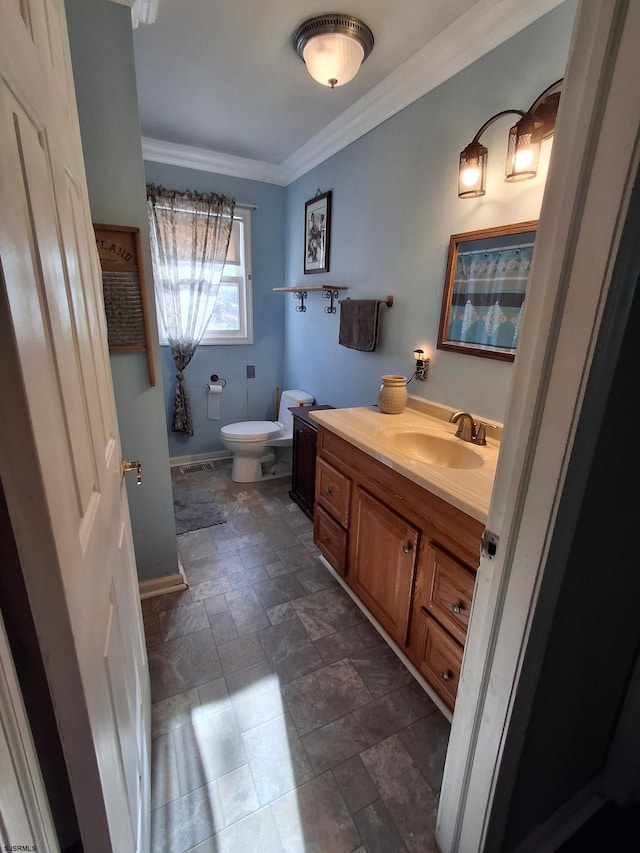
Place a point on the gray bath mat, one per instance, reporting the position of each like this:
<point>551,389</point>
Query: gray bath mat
<point>195,508</point>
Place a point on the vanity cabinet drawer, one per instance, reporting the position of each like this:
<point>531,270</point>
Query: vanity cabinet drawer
<point>333,491</point>
<point>449,591</point>
<point>331,539</point>
<point>441,662</point>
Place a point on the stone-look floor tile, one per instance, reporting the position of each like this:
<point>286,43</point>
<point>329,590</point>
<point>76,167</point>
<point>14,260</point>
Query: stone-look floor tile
<point>350,641</point>
<point>170,599</point>
<point>281,640</point>
<point>256,833</point>
<point>279,569</point>
<point>237,794</point>
<point>306,540</point>
<point>178,665</point>
<point>257,538</point>
<point>281,536</point>
<point>297,663</point>
<point>222,625</point>
<point>216,604</point>
<point>412,804</point>
<point>381,669</point>
<point>232,543</point>
<point>385,716</point>
<point>213,697</point>
<point>355,784</point>
<point>223,564</point>
<point>169,714</point>
<point>279,590</point>
<point>378,830</point>
<point>315,819</point>
<point>248,614</point>
<point>180,621</point>
<point>316,579</point>
<point>210,588</point>
<point>208,748</point>
<point>256,695</point>
<point>195,545</point>
<point>322,696</point>
<point>281,613</point>
<point>420,702</point>
<point>277,758</point>
<point>297,557</point>
<point>164,772</point>
<point>240,653</point>
<point>254,556</point>
<point>247,577</point>
<point>325,612</point>
<point>153,631</point>
<point>426,741</point>
<point>333,743</point>
<point>187,821</point>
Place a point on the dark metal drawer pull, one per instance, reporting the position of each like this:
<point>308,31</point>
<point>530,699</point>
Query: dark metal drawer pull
<point>457,608</point>
<point>446,675</point>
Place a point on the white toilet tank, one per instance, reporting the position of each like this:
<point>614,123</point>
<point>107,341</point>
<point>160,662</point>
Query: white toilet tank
<point>289,399</point>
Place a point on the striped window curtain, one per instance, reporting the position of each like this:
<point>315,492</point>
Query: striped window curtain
<point>190,235</point>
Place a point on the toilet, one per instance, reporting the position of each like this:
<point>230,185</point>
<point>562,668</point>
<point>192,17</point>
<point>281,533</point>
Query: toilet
<point>254,444</point>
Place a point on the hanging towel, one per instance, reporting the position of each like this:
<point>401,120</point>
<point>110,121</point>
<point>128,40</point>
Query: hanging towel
<point>359,324</point>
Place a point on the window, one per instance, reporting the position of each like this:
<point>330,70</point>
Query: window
<point>232,318</point>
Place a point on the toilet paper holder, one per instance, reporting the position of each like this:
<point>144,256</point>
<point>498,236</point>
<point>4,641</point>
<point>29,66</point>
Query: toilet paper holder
<point>216,378</point>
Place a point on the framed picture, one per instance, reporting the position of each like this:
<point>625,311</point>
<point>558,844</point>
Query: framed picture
<point>484,290</point>
<point>317,231</point>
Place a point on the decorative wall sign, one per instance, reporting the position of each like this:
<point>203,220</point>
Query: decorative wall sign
<point>484,290</point>
<point>124,291</point>
<point>317,232</point>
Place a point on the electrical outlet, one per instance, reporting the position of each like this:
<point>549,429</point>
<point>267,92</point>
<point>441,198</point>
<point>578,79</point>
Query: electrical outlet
<point>251,371</point>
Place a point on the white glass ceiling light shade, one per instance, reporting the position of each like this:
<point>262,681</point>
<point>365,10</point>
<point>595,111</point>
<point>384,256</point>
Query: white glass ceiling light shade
<point>333,47</point>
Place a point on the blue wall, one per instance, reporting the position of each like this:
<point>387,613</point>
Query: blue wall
<point>104,72</point>
<point>395,206</point>
<point>242,399</point>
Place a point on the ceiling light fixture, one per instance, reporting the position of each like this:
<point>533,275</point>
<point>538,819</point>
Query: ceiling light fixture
<point>333,47</point>
<point>523,149</point>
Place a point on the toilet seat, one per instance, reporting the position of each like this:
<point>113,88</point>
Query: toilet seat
<point>252,430</point>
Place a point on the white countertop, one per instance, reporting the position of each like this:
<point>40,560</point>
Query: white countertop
<point>468,489</point>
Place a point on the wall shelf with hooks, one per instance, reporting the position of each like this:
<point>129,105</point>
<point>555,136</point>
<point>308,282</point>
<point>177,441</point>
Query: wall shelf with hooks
<point>328,292</point>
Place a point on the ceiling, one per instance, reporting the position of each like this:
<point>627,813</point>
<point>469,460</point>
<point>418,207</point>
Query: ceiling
<point>220,77</point>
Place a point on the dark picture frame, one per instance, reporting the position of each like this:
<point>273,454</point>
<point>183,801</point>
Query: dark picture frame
<point>317,233</point>
<point>484,290</point>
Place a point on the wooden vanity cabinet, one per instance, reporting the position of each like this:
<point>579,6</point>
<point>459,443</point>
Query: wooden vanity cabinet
<point>408,555</point>
<point>303,473</point>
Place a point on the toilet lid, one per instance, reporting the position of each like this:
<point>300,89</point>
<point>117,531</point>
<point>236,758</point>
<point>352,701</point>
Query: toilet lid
<point>252,430</point>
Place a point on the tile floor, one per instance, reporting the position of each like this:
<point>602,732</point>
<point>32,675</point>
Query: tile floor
<point>281,721</point>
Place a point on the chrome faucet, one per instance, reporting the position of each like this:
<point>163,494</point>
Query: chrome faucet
<point>468,429</point>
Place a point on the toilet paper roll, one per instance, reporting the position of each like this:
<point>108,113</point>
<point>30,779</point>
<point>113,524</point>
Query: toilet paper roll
<point>213,402</point>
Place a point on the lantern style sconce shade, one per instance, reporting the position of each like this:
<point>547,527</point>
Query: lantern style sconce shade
<point>333,47</point>
<point>523,147</point>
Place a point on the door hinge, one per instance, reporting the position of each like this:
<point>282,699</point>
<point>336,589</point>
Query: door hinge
<point>489,544</point>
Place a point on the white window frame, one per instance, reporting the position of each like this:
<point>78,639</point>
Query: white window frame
<point>244,335</point>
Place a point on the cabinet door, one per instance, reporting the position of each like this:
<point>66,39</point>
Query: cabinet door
<point>303,475</point>
<point>383,552</point>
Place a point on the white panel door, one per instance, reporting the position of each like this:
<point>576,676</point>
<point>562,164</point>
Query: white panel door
<point>60,459</point>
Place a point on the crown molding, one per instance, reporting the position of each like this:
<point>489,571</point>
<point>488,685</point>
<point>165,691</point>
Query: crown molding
<point>483,27</point>
<point>173,154</point>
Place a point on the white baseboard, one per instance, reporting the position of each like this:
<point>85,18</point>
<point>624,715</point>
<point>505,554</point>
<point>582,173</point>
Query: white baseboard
<point>211,455</point>
<point>564,822</point>
<point>391,643</point>
<point>161,586</point>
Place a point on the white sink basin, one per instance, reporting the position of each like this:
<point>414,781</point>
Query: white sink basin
<point>444,452</point>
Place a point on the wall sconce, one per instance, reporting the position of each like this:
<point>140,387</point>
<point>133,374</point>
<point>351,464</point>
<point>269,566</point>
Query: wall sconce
<point>422,365</point>
<point>523,149</point>
<point>333,47</point>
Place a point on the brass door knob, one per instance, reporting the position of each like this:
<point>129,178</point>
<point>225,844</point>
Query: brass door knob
<point>134,465</point>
